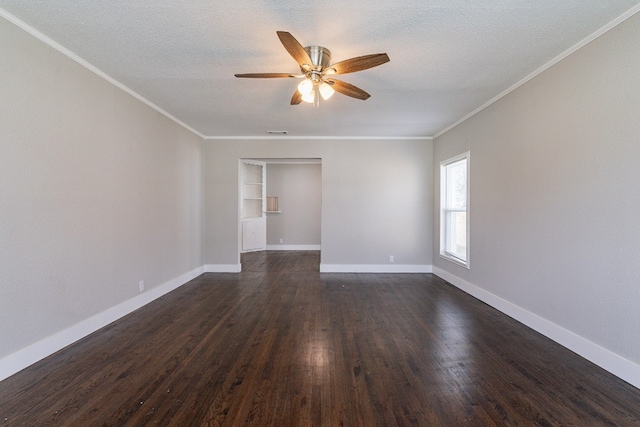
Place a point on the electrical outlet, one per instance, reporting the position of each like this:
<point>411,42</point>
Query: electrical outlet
<point>391,259</point>
<point>281,240</point>
<point>141,285</point>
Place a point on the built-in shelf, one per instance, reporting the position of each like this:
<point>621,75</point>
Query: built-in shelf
<point>253,191</point>
<point>254,218</point>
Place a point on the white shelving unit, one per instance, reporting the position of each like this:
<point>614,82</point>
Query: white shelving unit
<point>253,216</point>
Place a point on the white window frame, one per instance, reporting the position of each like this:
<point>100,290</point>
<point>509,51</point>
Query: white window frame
<point>444,210</point>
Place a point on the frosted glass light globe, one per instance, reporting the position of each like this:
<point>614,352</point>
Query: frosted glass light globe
<point>310,97</point>
<point>326,91</point>
<point>305,87</point>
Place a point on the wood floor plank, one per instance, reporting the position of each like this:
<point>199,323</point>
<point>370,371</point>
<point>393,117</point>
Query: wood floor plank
<point>281,344</point>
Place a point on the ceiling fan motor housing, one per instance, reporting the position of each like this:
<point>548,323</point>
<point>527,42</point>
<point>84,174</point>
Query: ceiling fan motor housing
<point>320,56</point>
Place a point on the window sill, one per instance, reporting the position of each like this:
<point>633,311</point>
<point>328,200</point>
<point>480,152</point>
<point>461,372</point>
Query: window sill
<point>455,260</point>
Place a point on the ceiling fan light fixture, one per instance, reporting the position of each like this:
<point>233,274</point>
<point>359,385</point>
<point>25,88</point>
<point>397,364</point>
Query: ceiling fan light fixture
<point>315,64</point>
<point>326,91</point>
<point>309,97</point>
<point>305,87</point>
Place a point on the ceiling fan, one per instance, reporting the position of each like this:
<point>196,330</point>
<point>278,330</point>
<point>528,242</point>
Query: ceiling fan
<point>314,62</point>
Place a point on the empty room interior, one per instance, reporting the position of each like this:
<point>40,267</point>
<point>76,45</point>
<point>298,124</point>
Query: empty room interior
<point>440,228</point>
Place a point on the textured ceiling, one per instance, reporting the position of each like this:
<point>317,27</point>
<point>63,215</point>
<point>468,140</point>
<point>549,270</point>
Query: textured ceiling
<point>448,57</point>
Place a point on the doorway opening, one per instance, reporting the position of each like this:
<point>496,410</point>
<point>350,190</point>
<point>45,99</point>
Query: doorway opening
<point>295,223</point>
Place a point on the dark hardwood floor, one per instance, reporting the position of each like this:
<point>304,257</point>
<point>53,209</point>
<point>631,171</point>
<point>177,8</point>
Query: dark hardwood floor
<point>282,345</point>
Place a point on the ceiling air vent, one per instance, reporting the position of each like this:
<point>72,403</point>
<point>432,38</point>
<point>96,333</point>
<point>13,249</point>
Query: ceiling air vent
<point>276,132</point>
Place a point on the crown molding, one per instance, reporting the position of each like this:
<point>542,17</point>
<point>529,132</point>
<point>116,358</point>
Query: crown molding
<point>71,55</point>
<point>628,14</point>
<point>341,138</point>
<point>74,57</point>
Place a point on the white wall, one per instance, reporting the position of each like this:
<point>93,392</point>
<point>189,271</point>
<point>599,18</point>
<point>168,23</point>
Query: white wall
<point>555,230</point>
<point>97,192</point>
<point>299,190</point>
<point>376,200</point>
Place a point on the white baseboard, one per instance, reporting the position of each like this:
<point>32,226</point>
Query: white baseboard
<point>606,359</point>
<point>293,247</point>
<point>374,268</point>
<point>27,356</point>
<point>222,268</point>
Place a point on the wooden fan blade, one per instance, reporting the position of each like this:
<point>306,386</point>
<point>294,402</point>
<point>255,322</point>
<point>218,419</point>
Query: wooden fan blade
<point>296,98</point>
<point>348,89</point>
<point>294,48</point>
<point>360,63</point>
<point>264,75</point>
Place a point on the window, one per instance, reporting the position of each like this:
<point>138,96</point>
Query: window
<point>454,222</point>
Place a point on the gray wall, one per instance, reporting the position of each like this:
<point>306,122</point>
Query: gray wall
<point>97,192</point>
<point>555,196</point>
<point>376,198</point>
<point>299,190</point>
